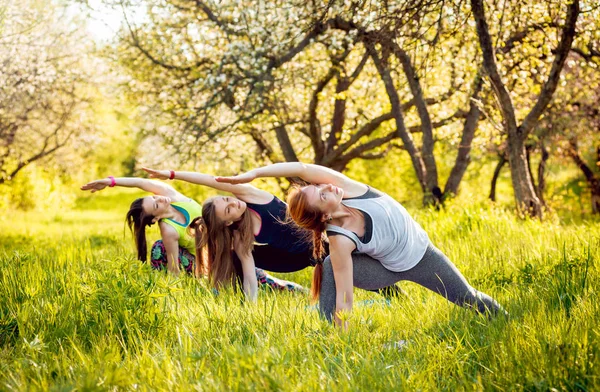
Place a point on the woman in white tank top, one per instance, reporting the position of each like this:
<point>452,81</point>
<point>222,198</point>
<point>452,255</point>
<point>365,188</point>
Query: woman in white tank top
<point>357,218</point>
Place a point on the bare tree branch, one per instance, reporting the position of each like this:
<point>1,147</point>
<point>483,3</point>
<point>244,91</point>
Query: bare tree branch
<point>314,128</point>
<point>285,144</point>
<point>263,145</point>
<point>464,149</point>
<point>591,54</point>
<point>370,145</point>
<point>566,40</point>
<point>426,125</point>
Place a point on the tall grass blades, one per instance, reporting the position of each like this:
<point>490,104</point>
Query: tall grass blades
<point>78,312</point>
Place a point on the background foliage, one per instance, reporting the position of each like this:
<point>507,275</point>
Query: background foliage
<point>394,93</point>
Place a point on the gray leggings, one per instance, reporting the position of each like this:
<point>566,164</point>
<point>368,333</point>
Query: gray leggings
<point>435,272</point>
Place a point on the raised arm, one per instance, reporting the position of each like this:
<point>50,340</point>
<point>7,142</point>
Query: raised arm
<point>244,192</point>
<point>314,174</point>
<point>156,187</point>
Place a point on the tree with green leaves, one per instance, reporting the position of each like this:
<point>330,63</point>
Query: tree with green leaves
<point>517,129</point>
<point>44,83</point>
<point>315,90</point>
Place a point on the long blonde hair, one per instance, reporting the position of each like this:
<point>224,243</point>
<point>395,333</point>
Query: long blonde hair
<point>214,244</point>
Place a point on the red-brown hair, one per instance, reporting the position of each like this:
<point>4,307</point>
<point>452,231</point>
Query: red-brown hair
<point>309,218</point>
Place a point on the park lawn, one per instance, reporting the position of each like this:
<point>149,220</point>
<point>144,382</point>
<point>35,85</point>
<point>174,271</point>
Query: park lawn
<point>77,311</point>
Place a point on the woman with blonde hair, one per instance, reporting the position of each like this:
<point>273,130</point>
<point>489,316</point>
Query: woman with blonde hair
<point>373,241</point>
<point>236,222</point>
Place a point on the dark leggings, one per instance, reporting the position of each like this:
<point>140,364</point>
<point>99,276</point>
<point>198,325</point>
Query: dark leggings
<point>435,272</point>
<point>279,260</point>
<point>186,262</point>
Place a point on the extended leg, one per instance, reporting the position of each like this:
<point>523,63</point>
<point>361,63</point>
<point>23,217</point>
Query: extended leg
<point>437,273</point>
<point>267,280</point>
<point>434,271</point>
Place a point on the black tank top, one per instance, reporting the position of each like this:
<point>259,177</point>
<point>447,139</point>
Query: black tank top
<point>276,233</point>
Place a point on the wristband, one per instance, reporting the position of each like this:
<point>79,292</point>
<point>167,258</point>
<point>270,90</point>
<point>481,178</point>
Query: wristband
<point>172,176</point>
<point>112,181</point>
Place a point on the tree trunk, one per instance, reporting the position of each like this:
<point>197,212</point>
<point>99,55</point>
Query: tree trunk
<point>263,145</point>
<point>431,176</point>
<point>595,188</point>
<point>314,126</point>
<point>528,148</point>
<point>527,201</point>
<point>536,187</point>
<point>497,170</point>
<point>592,179</point>
<point>525,197</point>
<point>339,113</point>
<point>401,130</point>
<point>463,157</point>
<point>286,145</point>
<point>541,186</point>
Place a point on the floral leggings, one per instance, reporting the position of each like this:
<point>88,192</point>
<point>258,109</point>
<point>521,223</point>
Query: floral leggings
<point>186,261</point>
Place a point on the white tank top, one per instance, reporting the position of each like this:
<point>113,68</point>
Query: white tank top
<point>397,240</point>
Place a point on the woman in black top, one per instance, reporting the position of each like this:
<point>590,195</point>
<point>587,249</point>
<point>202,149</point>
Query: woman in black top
<point>237,222</point>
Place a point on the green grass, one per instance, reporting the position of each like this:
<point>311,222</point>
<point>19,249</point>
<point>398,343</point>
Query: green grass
<point>77,311</point>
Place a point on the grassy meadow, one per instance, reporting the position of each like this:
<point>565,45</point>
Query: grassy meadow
<point>78,312</point>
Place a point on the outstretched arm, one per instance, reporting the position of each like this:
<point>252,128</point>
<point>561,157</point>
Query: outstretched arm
<point>250,283</point>
<point>244,192</point>
<point>314,174</point>
<point>171,241</point>
<point>156,187</point>
<point>341,248</point>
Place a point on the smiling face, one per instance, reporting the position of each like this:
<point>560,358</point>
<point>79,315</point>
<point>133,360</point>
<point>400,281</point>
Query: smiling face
<point>156,205</point>
<point>229,209</point>
<point>324,197</point>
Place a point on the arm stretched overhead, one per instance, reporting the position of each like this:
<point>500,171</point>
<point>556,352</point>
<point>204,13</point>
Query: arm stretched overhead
<point>244,192</point>
<point>156,187</point>
<point>314,174</point>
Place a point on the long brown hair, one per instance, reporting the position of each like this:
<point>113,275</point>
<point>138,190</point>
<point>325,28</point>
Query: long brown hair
<point>214,244</point>
<point>138,220</point>
<point>309,218</point>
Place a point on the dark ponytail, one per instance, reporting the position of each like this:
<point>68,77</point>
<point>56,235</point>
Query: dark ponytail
<point>137,220</point>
